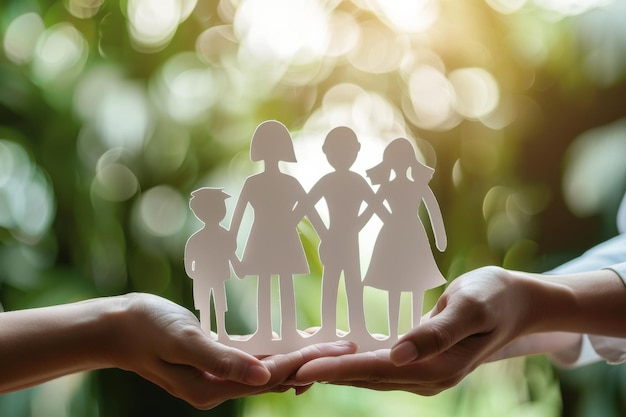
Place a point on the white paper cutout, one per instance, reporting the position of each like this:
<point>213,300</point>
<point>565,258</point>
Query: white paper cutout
<point>208,254</point>
<point>402,260</point>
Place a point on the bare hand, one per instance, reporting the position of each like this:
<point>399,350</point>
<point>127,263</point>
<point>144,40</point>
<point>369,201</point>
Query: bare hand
<point>476,316</point>
<point>163,342</point>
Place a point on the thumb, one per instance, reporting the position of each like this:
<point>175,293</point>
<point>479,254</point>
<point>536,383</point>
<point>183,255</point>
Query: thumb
<point>436,335</point>
<point>225,362</point>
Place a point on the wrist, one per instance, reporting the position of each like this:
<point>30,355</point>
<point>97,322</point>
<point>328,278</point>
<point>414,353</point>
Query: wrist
<point>108,335</point>
<point>586,302</point>
<point>545,304</point>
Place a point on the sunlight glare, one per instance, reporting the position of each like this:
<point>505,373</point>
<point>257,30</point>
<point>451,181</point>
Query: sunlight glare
<point>287,30</point>
<point>407,16</point>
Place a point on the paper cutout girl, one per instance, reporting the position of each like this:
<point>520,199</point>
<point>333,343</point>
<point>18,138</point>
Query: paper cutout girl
<point>208,253</point>
<point>402,259</point>
<point>344,191</point>
<point>273,246</point>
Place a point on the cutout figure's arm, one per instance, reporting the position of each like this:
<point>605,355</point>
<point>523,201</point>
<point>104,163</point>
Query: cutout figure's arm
<point>306,207</point>
<point>374,206</point>
<point>240,208</point>
<point>434,212</point>
<point>189,258</point>
<point>475,320</point>
<point>146,334</point>
<point>235,262</point>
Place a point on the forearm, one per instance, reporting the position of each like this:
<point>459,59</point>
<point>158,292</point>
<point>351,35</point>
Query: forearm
<point>40,344</point>
<point>589,302</point>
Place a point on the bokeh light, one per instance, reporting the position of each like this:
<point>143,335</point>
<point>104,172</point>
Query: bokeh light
<point>186,89</point>
<point>162,211</point>
<point>111,113</point>
<point>284,30</point>
<point>27,204</point>
<point>153,23</point>
<point>595,169</point>
<point>123,118</point>
<point>20,38</point>
<point>477,93</point>
<point>433,99</point>
<point>60,55</point>
<point>406,16</point>
<point>83,9</point>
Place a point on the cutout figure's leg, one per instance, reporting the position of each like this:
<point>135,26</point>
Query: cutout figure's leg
<point>264,308</point>
<point>330,292</point>
<point>205,319</point>
<point>219,300</point>
<point>394,314</point>
<point>418,301</point>
<point>356,310</point>
<point>288,322</point>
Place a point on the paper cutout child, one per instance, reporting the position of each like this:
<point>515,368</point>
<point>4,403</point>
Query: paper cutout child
<point>273,246</point>
<point>344,192</point>
<point>208,253</point>
<point>402,259</point>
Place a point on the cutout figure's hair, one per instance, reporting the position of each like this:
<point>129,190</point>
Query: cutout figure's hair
<point>399,152</point>
<point>272,141</point>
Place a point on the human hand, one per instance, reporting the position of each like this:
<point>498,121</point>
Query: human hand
<point>163,342</point>
<point>479,313</point>
<point>282,369</point>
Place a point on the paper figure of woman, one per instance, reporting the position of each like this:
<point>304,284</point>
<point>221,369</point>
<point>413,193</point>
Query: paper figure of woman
<point>402,259</point>
<point>273,246</point>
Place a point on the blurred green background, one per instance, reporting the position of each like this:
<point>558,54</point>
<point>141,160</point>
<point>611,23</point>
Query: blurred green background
<point>111,113</point>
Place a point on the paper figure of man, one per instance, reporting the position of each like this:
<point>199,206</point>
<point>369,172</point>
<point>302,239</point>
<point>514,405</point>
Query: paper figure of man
<point>208,254</point>
<point>344,192</point>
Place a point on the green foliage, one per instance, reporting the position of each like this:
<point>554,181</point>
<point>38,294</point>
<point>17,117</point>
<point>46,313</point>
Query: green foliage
<point>104,119</point>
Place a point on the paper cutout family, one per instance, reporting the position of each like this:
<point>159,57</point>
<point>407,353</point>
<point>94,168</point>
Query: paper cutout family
<point>401,260</point>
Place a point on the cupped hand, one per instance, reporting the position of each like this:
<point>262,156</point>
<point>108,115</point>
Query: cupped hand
<point>163,342</point>
<point>478,314</point>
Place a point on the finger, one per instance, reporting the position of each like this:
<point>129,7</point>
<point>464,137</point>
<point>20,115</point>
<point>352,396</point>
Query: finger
<point>225,362</point>
<point>281,367</point>
<point>301,390</point>
<point>438,334</point>
<point>425,390</point>
<point>286,365</point>
<point>445,369</point>
<point>361,366</point>
<point>187,383</point>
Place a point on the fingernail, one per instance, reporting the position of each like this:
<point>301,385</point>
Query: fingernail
<point>302,389</point>
<point>403,353</point>
<point>257,375</point>
<point>345,344</point>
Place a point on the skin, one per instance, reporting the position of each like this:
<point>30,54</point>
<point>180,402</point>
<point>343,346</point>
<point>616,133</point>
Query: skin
<point>487,314</point>
<point>145,334</point>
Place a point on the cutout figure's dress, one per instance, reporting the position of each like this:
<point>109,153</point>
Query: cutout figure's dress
<point>402,258</point>
<point>274,246</point>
